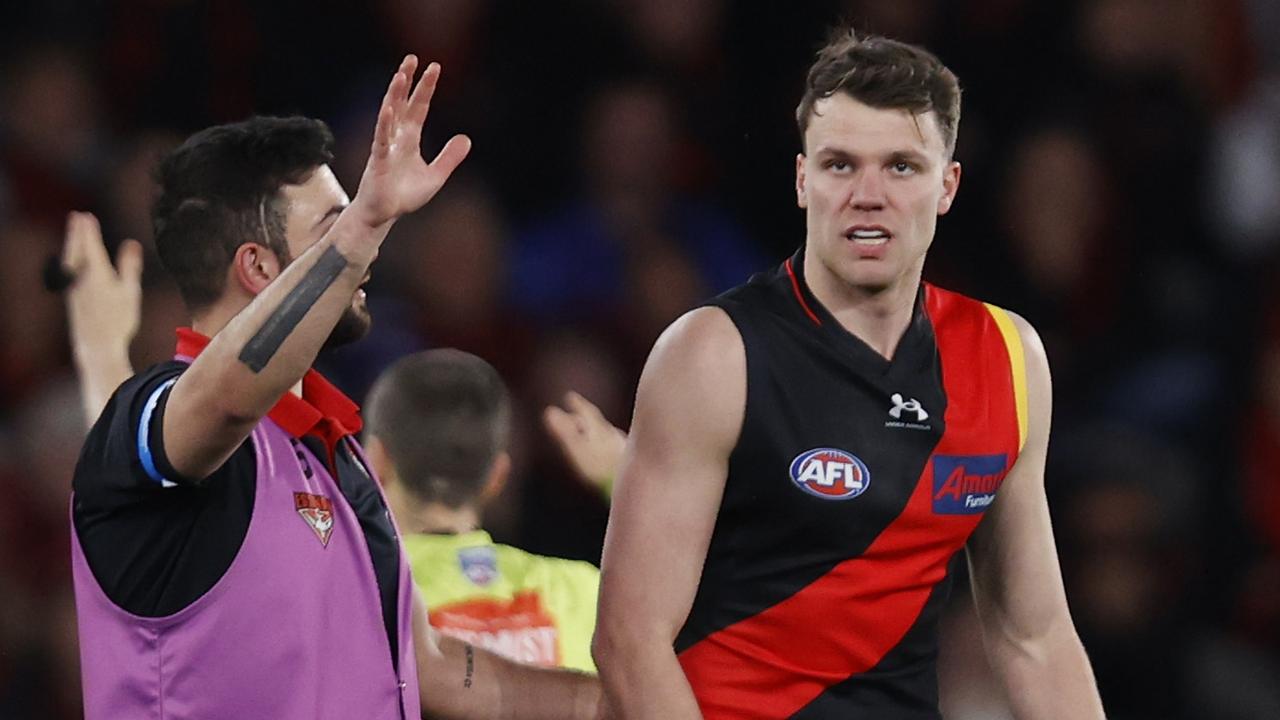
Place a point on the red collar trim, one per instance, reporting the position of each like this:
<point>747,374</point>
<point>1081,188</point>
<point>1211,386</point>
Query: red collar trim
<point>323,410</point>
<point>795,287</point>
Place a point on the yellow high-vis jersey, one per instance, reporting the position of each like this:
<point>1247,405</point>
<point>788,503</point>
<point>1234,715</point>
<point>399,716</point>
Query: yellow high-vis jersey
<point>523,606</point>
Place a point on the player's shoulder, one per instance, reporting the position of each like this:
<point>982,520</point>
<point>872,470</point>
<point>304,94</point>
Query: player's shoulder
<point>944,304</point>
<point>696,353</point>
<point>702,330</point>
<point>124,448</point>
<point>1018,332</point>
<point>145,381</point>
<point>129,401</point>
<point>531,568</point>
<point>762,292</point>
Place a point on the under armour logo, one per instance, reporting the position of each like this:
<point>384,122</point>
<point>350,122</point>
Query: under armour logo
<point>909,406</point>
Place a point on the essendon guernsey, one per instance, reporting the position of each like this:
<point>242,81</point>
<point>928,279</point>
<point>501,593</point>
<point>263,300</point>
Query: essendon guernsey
<point>854,481</point>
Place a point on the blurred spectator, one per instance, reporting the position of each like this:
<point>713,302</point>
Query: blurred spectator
<point>444,31</point>
<point>50,133</point>
<point>1127,510</point>
<point>452,264</point>
<point>162,313</point>
<point>1260,442</point>
<point>35,556</point>
<point>561,515</point>
<point>1235,661</point>
<point>440,283</point>
<point>681,43</point>
<point>1140,91</point>
<point>132,188</point>
<point>1067,246</point>
<point>31,319</point>
<point>572,266</point>
<point>1245,174</point>
<point>182,64</point>
<point>1232,671</point>
<point>675,33</point>
<point>1263,23</point>
<point>914,21</point>
<point>662,284</point>
<point>455,34</point>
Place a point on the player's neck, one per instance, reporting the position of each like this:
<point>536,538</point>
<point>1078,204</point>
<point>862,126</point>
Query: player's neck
<point>437,519</point>
<point>878,318</point>
<point>209,322</point>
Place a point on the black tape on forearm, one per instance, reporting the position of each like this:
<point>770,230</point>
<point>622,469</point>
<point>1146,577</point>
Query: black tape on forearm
<point>264,344</point>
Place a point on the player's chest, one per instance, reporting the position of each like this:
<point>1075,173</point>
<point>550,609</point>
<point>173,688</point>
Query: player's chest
<point>841,440</point>
<point>838,448</point>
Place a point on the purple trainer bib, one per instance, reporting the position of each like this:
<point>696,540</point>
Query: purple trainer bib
<point>292,631</point>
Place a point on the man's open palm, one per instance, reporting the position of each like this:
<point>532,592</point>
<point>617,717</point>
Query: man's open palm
<point>397,180</point>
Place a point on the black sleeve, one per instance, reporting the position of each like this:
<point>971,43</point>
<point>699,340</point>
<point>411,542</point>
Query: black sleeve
<point>155,541</point>
<point>120,440</point>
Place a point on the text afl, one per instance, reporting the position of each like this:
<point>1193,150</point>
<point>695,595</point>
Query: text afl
<point>830,474</point>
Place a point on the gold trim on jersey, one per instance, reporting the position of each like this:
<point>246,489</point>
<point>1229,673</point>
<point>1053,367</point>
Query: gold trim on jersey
<point>1017,363</point>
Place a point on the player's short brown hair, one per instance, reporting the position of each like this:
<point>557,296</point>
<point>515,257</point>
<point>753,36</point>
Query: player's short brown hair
<point>883,73</point>
<point>443,417</point>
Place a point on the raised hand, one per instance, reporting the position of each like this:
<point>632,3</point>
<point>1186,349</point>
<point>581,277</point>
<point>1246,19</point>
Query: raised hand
<point>104,308</point>
<point>592,445</point>
<point>104,302</point>
<point>397,180</point>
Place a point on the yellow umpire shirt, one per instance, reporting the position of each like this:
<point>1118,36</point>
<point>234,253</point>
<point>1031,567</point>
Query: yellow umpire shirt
<point>523,606</point>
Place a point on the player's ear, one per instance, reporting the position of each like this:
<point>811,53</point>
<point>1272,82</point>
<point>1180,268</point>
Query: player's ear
<point>950,186</point>
<point>801,199</point>
<point>498,474</point>
<point>254,266</point>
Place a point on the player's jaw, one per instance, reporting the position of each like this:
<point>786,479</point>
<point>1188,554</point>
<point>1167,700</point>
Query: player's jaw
<point>866,256</point>
<point>355,321</point>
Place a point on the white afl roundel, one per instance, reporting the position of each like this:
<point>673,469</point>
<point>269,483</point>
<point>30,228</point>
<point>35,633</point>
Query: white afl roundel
<point>830,474</point>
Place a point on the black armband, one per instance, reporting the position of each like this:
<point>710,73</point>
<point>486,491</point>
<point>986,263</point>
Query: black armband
<point>267,341</point>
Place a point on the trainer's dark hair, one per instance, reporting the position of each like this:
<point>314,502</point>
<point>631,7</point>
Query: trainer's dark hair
<point>221,189</point>
<point>443,416</point>
<point>883,73</point>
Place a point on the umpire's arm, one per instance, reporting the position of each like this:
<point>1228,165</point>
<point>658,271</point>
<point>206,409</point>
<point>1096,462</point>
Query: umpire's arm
<point>458,681</point>
<point>1017,584</point>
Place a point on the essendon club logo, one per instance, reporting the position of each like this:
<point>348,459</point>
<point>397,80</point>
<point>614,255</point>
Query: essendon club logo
<point>317,510</point>
<point>966,484</point>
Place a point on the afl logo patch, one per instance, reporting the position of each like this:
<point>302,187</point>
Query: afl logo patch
<point>479,564</point>
<point>830,474</point>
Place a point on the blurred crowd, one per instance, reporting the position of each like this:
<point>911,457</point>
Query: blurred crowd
<point>1121,190</point>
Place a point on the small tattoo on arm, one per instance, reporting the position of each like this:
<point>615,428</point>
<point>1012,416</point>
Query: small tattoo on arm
<point>264,344</point>
<point>471,665</point>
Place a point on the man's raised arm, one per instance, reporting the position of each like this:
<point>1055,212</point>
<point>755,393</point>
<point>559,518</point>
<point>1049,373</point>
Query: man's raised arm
<point>104,309</point>
<point>267,348</point>
<point>688,415</point>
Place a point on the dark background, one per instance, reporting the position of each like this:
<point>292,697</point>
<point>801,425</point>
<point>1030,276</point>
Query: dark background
<point>1121,190</point>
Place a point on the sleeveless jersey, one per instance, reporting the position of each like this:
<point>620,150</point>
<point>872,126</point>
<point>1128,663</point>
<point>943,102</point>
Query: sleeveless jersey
<point>854,481</point>
<point>527,607</point>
